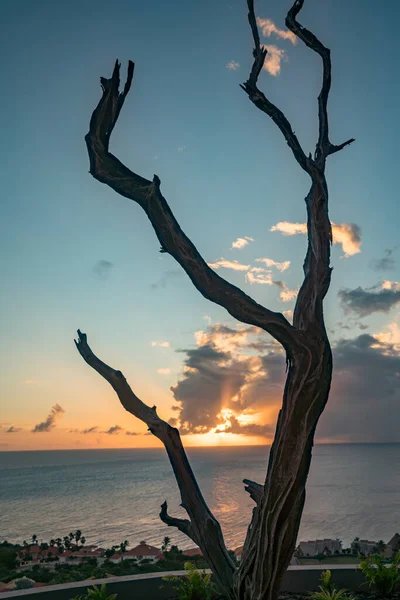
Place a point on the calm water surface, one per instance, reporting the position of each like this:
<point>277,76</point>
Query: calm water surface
<point>113,495</point>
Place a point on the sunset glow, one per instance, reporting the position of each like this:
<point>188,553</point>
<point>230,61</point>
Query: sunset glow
<point>77,254</point>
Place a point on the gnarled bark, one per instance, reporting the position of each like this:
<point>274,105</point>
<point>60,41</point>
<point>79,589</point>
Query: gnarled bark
<point>202,524</point>
<point>272,533</point>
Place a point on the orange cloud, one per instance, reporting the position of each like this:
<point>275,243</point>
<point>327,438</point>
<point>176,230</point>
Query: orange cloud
<point>242,242</point>
<point>281,266</point>
<point>272,62</point>
<point>268,28</point>
<point>348,235</point>
<point>232,65</point>
<point>229,264</point>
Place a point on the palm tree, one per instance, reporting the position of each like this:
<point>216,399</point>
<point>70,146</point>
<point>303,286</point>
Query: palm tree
<point>355,545</point>
<point>122,547</point>
<point>381,547</point>
<point>166,544</point>
<point>52,542</point>
<point>83,540</point>
<point>78,535</point>
<point>110,551</point>
<point>34,539</point>
<point>67,541</point>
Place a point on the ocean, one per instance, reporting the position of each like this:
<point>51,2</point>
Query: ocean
<point>115,495</point>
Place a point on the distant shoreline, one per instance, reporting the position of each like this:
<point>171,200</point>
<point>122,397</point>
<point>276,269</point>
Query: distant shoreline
<point>188,448</point>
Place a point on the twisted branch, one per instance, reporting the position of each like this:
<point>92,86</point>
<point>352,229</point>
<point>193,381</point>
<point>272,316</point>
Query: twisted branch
<point>255,490</point>
<point>184,525</point>
<point>203,528</point>
<point>260,100</point>
<point>324,147</point>
<point>106,168</point>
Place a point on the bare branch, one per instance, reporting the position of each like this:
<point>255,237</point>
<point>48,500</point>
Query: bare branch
<point>203,528</point>
<point>184,525</point>
<point>324,146</point>
<point>105,167</point>
<point>333,148</point>
<point>255,490</point>
<point>260,100</point>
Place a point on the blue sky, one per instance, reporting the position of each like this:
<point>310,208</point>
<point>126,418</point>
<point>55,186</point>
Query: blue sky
<point>225,171</point>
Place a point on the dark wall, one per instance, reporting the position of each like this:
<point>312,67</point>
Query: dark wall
<point>154,588</point>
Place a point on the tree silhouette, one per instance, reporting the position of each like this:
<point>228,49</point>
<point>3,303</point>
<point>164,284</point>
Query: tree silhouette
<point>271,537</point>
<point>166,544</point>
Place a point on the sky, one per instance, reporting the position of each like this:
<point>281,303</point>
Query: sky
<point>74,254</point>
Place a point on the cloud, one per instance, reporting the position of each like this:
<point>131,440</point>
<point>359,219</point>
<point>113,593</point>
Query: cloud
<point>391,334</point>
<point>241,242</point>
<point>260,275</point>
<point>131,433</point>
<point>365,392</point>
<point>103,268</point>
<point>164,371</point>
<point>13,429</point>
<point>229,264</point>
<point>273,59</point>
<point>114,430</point>
<point>286,294</point>
<point>56,412</point>
<point>364,302</point>
<point>281,266</point>
<point>94,429</point>
<point>161,344</point>
<point>268,28</point>
<point>181,148</point>
<point>31,382</point>
<point>386,263</point>
<point>226,388</point>
<point>232,65</point>
<point>348,235</point>
<point>233,425</point>
<point>164,280</point>
<point>223,373</point>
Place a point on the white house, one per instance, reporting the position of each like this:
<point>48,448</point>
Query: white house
<point>143,551</point>
<point>326,546</point>
<point>365,547</point>
<point>393,546</point>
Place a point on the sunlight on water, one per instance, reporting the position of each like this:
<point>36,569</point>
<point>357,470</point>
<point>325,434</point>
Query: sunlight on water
<point>111,495</point>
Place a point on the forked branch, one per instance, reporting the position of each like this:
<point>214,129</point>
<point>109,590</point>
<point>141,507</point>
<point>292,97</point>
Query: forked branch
<point>105,167</point>
<point>254,489</point>
<point>260,100</point>
<point>203,528</point>
<point>324,147</point>
<point>184,525</point>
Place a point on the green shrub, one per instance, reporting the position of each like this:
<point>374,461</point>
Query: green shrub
<point>195,585</point>
<point>96,593</point>
<point>24,584</point>
<point>327,590</point>
<point>383,577</point>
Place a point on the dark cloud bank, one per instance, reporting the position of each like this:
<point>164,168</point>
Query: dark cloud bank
<point>364,399</point>
<point>364,302</point>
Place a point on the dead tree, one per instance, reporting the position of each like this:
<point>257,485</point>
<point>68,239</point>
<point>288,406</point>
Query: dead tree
<point>271,536</point>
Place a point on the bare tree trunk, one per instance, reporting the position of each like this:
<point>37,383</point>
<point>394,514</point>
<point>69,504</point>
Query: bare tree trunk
<point>272,534</point>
